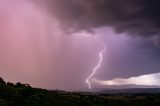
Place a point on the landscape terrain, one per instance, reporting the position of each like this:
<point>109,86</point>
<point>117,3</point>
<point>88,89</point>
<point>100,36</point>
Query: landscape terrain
<point>24,95</point>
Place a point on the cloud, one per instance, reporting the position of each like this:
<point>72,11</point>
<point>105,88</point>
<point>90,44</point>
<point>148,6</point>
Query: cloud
<point>136,17</point>
<point>144,80</point>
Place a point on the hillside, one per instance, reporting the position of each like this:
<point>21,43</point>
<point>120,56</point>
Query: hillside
<point>24,95</point>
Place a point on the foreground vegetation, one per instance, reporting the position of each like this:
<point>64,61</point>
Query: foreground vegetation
<point>24,95</point>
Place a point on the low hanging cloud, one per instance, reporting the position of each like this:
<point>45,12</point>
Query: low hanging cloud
<point>143,80</point>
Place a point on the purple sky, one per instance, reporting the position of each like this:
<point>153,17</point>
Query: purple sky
<point>43,44</point>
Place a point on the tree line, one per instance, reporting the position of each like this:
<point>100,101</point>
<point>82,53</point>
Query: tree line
<point>24,95</point>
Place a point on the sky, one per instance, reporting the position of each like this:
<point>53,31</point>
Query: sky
<point>55,44</point>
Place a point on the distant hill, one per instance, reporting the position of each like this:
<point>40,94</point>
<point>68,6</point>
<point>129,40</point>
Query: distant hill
<point>24,95</point>
<point>131,91</point>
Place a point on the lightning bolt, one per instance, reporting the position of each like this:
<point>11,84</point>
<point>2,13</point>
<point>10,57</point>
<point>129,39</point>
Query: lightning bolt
<point>98,64</point>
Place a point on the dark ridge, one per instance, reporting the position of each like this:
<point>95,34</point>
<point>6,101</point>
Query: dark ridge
<point>24,95</point>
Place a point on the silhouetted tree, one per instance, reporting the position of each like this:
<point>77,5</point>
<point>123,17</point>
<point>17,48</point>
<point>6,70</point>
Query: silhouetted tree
<point>2,81</point>
<point>10,84</point>
<point>18,85</point>
<point>3,103</point>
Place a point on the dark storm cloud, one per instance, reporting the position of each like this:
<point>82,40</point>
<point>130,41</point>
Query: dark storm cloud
<point>136,17</point>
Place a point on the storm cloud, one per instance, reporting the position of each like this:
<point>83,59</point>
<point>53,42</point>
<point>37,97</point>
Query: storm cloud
<point>135,17</point>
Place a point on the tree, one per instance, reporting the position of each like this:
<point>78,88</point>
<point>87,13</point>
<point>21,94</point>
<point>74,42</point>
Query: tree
<point>2,81</point>
<point>3,103</point>
<point>10,84</point>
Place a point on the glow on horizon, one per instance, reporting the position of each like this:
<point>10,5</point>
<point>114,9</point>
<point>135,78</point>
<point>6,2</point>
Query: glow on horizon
<point>144,80</point>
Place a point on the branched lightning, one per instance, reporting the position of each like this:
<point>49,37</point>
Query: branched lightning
<point>98,64</point>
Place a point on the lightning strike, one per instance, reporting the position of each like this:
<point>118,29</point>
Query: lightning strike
<point>98,64</point>
<point>84,34</point>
